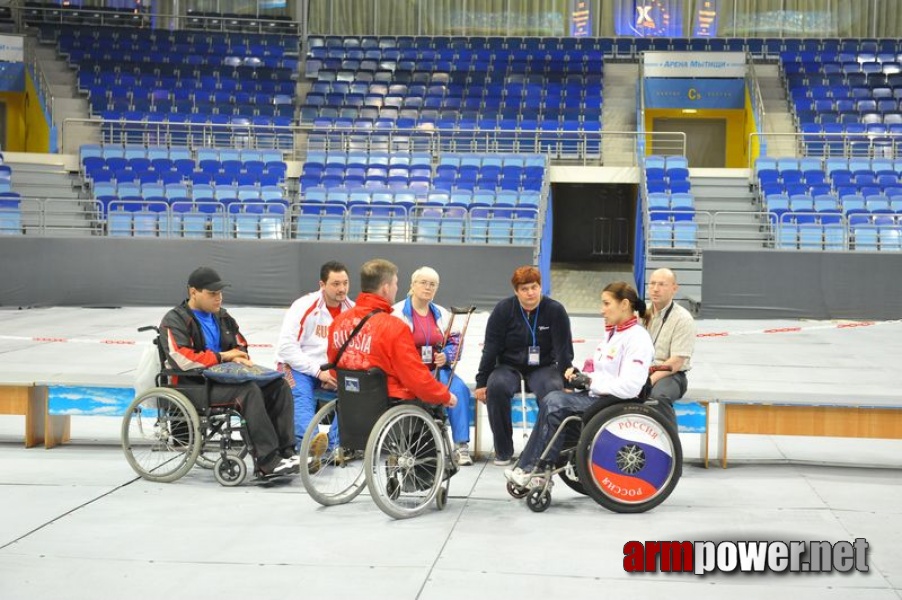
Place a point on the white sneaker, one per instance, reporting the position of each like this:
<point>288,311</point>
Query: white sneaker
<point>518,476</point>
<point>503,462</point>
<point>462,455</point>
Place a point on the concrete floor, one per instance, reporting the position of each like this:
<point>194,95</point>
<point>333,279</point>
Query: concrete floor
<point>75,521</point>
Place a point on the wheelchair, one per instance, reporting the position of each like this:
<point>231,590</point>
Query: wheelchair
<point>164,433</point>
<point>626,456</point>
<point>400,451</point>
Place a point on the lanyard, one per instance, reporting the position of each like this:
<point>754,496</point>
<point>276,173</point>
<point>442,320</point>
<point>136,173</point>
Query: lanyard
<point>532,328</point>
<point>425,328</point>
<point>663,321</point>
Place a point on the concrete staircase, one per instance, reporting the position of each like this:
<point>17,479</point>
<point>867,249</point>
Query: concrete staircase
<point>66,102</point>
<point>727,216</point>
<point>65,211</point>
<point>618,113</point>
<point>777,118</point>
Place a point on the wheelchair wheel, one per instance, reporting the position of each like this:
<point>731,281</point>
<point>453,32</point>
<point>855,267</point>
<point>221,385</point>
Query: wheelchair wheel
<point>629,458</point>
<point>538,499</point>
<point>230,470</point>
<point>405,461</point>
<point>211,447</point>
<point>331,478</point>
<point>160,435</point>
<point>516,491</point>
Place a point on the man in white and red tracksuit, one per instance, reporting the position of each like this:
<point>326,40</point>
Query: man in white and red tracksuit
<point>303,341</point>
<point>198,334</point>
<point>384,341</point>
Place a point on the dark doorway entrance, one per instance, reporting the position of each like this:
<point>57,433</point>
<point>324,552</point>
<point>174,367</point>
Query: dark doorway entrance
<point>593,222</point>
<point>706,140</point>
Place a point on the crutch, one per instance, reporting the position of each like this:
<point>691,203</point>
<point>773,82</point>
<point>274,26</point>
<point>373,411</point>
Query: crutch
<point>455,311</point>
<point>523,407</point>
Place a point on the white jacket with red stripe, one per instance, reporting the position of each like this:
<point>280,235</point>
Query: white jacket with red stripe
<point>305,328</point>
<point>621,361</point>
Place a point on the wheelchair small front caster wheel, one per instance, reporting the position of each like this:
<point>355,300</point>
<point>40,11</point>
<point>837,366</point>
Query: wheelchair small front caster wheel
<point>538,500</point>
<point>441,498</point>
<point>229,470</point>
<point>516,491</point>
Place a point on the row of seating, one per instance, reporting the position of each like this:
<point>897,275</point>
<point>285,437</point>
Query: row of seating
<point>487,186</point>
<point>672,235</point>
<point>426,196</point>
<point>847,204</point>
<point>169,192</point>
<point>486,225</point>
<point>810,163</point>
<point>164,46</point>
<point>838,190</point>
<point>146,37</point>
<point>583,87</point>
<point>628,47</point>
<point>142,109</point>
<point>183,166</point>
<point>269,195</point>
<point>851,66</point>
<point>130,152</point>
<point>813,236</point>
<point>510,119</point>
<point>425,224</point>
<point>219,67</point>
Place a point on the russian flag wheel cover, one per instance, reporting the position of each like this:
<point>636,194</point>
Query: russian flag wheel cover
<point>632,458</point>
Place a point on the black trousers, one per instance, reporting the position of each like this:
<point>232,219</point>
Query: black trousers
<point>268,411</point>
<point>503,384</point>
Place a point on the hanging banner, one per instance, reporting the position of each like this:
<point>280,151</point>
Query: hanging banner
<point>706,18</point>
<point>12,48</point>
<point>580,18</point>
<point>693,64</point>
<point>695,93</point>
<point>649,18</point>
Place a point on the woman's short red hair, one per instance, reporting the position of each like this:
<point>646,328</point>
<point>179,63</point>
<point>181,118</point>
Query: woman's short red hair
<point>524,275</point>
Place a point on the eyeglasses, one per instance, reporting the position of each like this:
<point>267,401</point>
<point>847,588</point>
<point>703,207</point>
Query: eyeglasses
<point>427,284</point>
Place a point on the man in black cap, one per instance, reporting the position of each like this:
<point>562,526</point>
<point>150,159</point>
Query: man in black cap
<point>198,334</point>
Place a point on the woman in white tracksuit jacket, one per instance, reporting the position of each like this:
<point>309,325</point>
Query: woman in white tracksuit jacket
<point>620,370</point>
<point>427,322</point>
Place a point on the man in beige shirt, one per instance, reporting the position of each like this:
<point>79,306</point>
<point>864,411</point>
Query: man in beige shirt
<point>672,330</point>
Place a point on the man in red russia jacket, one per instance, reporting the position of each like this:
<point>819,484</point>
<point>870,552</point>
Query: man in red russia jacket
<point>384,341</point>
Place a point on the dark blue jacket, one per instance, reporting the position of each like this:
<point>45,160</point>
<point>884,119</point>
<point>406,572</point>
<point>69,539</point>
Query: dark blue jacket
<point>508,337</point>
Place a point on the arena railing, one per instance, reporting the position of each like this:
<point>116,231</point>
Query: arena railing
<point>561,146</point>
<point>829,145</point>
<point>109,17</point>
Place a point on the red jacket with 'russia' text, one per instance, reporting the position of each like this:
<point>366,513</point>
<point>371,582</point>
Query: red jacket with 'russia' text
<point>384,342</point>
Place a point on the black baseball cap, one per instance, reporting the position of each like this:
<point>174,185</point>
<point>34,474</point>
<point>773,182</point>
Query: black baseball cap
<point>205,278</point>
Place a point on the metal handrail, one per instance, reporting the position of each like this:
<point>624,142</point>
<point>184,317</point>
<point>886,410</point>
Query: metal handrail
<point>558,144</point>
<point>855,145</point>
<point>107,17</point>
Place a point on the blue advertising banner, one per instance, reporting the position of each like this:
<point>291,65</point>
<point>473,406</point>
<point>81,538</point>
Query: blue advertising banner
<point>12,77</point>
<point>649,18</point>
<point>580,18</point>
<point>706,18</point>
<point>695,93</point>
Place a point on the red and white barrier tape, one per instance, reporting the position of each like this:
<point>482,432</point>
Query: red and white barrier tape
<point>703,335</point>
<point>110,342</point>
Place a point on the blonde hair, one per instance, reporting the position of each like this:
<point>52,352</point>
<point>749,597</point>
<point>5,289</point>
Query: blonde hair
<point>423,272</point>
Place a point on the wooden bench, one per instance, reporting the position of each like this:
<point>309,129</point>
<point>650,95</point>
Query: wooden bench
<point>873,418</point>
<point>31,401</point>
